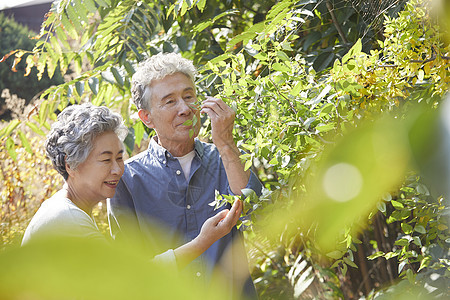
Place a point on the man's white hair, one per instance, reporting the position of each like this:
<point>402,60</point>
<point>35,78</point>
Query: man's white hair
<point>155,68</point>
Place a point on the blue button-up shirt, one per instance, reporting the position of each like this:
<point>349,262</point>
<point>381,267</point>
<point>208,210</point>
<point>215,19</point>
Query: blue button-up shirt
<point>153,190</point>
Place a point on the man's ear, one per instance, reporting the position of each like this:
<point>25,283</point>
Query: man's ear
<point>146,118</point>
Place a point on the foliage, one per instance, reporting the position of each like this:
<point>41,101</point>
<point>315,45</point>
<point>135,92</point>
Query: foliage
<point>296,120</point>
<point>12,37</point>
<point>424,237</point>
<point>61,269</point>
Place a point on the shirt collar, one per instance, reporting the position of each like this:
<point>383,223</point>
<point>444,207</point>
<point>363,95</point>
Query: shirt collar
<point>163,155</point>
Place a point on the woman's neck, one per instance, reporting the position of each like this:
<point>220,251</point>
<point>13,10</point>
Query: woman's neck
<point>73,196</point>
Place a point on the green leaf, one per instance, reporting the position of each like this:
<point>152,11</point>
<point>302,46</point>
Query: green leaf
<point>390,255</point>
<point>425,262</point>
<point>55,45</point>
<point>344,269</point>
<point>402,242</point>
<point>11,148</point>
<point>25,142</point>
<point>43,112</point>
<point>335,254</point>
<point>422,189</point>
<point>104,3</point>
<point>82,12</point>
<point>8,129</point>
<point>375,255</point>
<point>417,241</point>
<point>410,276</point>
<point>325,127</point>
<point>248,164</point>
<point>93,85</point>
<point>184,8</point>
<point>278,8</point>
<point>202,26</point>
<point>350,263</point>
<point>129,68</point>
<point>407,229</point>
<point>79,87</point>
<point>117,76</point>
<point>323,61</point>
<point>249,193</point>
<point>139,131</point>
<point>90,5</point>
<point>35,128</point>
<point>74,17</point>
<point>354,51</point>
<point>69,27</point>
<point>420,229</point>
<point>201,5</point>
<point>397,205</point>
<point>381,207</point>
<point>273,161</point>
<point>283,56</point>
<point>281,67</point>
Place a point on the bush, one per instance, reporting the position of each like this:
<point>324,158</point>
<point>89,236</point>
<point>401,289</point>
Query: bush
<point>15,36</point>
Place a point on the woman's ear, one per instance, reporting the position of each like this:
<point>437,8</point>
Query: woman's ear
<point>69,170</point>
<point>146,118</point>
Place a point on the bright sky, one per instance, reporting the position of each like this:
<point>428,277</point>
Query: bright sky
<point>4,4</point>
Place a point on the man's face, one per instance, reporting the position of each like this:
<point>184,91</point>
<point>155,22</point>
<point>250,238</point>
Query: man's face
<point>172,104</point>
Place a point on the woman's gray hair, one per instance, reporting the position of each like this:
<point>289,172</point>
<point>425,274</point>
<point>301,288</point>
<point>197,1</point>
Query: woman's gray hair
<point>157,67</point>
<point>71,136</point>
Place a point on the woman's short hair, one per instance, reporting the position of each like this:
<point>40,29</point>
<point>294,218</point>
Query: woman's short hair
<point>70,139</point>
<point>157,67</point>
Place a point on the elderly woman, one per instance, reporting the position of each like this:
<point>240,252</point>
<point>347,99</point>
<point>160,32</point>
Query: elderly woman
<point>85,147</point>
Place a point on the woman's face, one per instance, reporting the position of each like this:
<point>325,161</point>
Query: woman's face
<point>96,178</point>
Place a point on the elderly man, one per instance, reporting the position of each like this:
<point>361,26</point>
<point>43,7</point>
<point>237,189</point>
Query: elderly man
<point>172,182</point>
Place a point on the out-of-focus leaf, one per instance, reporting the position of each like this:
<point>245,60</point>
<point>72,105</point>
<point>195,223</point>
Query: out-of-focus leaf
<point>11,148</point>
<point>138,133</point>
<point>93,85</point>
<point>35,128</point>
<point>55,268</point>
<point>24,141</point>
<point>117,76</point>
<point>351,179</point>
<point>8,129</point>
<point>79,87</point>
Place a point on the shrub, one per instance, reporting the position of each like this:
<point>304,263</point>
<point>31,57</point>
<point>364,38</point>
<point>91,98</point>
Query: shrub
<point>15,36</point>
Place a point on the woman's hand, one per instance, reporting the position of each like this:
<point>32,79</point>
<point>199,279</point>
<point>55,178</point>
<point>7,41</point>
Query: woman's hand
<point>212,230</point>
<point>218,226</point>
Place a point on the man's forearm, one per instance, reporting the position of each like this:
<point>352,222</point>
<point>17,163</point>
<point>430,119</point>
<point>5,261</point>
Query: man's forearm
<point>234,167</point>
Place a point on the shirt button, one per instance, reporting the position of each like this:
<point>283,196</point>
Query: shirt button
<point>198,274</point>
<point>164,162</point>
<point>188,206</point>
<point>178,172</point>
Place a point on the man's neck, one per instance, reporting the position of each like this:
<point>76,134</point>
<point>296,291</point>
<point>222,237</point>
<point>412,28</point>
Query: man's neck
<point>177,150</point>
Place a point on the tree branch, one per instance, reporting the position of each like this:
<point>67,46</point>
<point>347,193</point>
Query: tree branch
<point>336,24</point>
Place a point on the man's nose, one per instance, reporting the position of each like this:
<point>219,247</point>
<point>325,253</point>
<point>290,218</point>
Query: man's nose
<point>184,108</point>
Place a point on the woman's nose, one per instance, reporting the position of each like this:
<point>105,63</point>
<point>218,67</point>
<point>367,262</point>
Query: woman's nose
<point>117,168</point>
